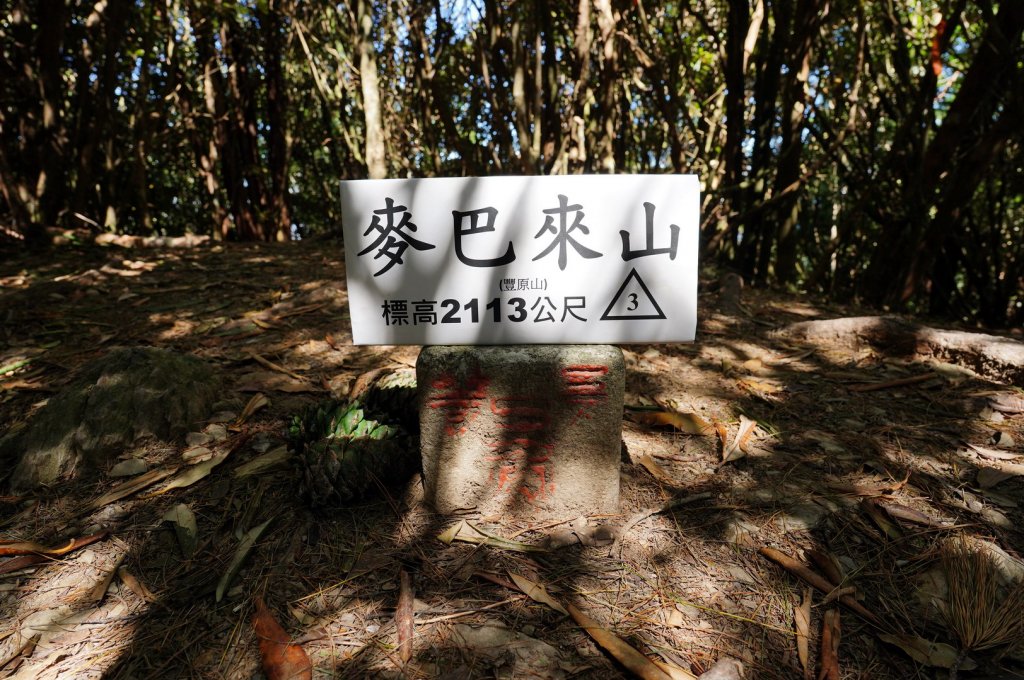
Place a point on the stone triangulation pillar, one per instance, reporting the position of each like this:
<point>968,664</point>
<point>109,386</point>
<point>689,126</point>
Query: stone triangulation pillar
<point>529,431</point>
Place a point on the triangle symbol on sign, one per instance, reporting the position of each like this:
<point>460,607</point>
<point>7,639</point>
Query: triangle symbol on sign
<point>633,301</point>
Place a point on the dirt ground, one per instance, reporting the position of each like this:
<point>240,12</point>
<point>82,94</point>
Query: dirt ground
<point>855,464</point>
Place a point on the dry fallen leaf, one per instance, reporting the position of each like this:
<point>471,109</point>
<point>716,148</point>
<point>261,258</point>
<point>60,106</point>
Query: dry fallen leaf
<point>185,528</point>
<point>738,448</point>
<point>191,475</point>
<point>24,562</point>
<point>277,368</point>
<point>876,487</point>
<point>902,512</point>
<point>536,592</point>
<point>282,659</point>
<point>255,403</point>
<point>888,528</point>
<point>656,470</point>
<point>989,477</point>
<point>838,593</point>
<point>830,634</point>
<point>135,585</point>
<point>812,578</point>
<point>629,657</point>
<point>1007,402</point>
<point>936,654</point>
<point>268,381</point>
<point>828,564</point>
<point>725,668</point>
<point>262,463</point>
<point>764,391</point>
<point>11,548</point>
<point>993,454</point>
<point>690,423</point>
<point>468,533</point>
<point>131,486</point>
<point>99,591</point>
<point>802,623</point>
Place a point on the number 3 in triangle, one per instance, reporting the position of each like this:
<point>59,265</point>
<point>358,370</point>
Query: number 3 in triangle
<point>633,301</point>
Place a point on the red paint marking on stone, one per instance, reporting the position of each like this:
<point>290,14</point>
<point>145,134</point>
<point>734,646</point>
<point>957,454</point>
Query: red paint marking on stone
<point>544,488</point>
<point>599,388</point>
<point>585,368</point>
<point>503,475</point>
<point>442,402</point>
<point>585,387</point>
<point>460,401</point>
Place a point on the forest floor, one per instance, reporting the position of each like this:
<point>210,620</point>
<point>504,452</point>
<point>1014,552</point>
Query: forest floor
<point>879,473</point>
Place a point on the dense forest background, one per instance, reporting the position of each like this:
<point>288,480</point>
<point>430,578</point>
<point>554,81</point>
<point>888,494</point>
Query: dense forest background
<point>867,150</point>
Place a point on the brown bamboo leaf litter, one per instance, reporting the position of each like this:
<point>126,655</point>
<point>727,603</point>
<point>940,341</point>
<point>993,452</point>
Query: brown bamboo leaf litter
<point>881,481</point>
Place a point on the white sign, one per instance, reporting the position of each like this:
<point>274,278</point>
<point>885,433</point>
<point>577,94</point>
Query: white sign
<point>503,260</point>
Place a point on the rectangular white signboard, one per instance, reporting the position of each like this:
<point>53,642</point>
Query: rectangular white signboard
<point>503,260</point>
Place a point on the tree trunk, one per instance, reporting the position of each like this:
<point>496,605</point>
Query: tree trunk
<point>52,139</point>
<point>279,221</point>
<point>376,165</point>
<point>973,130</point>
<point>807,23</point>
<point>608,74</point>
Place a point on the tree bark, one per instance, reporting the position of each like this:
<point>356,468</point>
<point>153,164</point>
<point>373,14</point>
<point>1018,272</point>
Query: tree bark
<point>376,164</point>
<point>279,221</point>
<point>807,23</point>
<point>608,74</point>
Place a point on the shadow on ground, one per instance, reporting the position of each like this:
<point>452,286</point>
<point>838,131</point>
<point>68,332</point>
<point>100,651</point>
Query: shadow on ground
<point>686,585</point>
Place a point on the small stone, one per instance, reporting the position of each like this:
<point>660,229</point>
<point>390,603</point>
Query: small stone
<point>129,468</point>
<point>216,432</point>
<point>739,531</point>
<point>262,442</point>
<point>197,439</point>
<point>800,517</point>
<point>741,575</point>
<point>724,669</point>
<point>561,538</point>
<point>223,417</point>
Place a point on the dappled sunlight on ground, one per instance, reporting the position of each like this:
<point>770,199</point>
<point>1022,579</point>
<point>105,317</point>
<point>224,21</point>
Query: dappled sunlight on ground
<point>848,458</point>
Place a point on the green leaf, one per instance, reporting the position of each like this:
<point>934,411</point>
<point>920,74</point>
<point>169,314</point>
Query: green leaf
<point>185,528</point>
<point>244,547</point>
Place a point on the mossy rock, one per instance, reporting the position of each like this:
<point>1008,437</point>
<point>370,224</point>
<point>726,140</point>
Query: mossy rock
<point>127,394</point>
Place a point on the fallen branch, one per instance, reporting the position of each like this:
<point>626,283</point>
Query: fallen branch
<point>888,384</point>
<point>813,578</point>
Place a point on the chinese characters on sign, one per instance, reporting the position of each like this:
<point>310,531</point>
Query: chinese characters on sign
<point>522,259</point>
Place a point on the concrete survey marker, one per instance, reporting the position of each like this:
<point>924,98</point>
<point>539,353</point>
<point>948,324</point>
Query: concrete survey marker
<point>525,431</point>
<point>511,260</point>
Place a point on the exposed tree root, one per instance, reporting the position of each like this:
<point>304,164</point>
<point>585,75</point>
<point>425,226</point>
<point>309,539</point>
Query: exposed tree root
<point>992,356</point>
